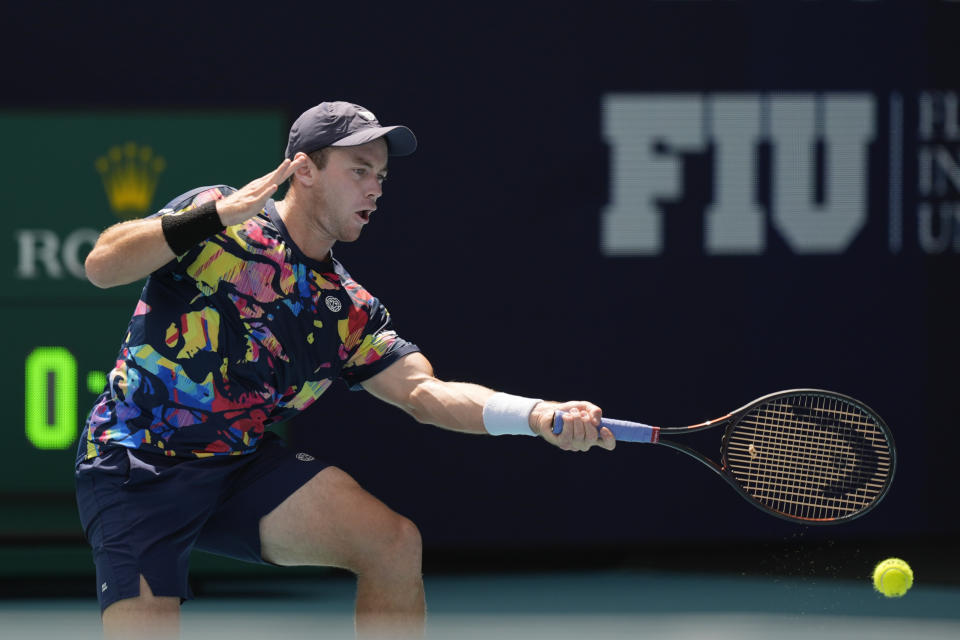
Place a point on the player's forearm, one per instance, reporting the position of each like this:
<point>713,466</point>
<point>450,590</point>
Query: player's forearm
<point>457,406</point>
<point>128,252</point>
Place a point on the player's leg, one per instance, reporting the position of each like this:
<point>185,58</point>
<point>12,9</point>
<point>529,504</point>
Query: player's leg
<point>141,514</point>
<point>288,508</point>
<point>332,521</point>
<point>145,616</point>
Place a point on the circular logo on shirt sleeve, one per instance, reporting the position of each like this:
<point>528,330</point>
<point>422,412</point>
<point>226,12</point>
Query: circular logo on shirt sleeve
<point>333,304</point>
<point>305,457</point>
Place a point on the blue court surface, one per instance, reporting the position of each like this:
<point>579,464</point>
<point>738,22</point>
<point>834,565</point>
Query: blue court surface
<point>576,604</point>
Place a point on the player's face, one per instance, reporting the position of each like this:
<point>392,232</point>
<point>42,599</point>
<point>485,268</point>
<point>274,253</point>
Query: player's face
<point>348,188</point>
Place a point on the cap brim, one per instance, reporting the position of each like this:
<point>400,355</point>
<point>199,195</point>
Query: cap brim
<point>400,140</point>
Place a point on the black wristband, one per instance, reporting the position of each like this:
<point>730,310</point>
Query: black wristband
<point>184,230</point>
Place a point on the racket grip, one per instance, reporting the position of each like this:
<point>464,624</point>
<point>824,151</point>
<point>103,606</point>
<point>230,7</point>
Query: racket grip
<point>623,430</point>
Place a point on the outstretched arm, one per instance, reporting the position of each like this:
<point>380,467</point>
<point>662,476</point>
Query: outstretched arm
<point>410,384</point>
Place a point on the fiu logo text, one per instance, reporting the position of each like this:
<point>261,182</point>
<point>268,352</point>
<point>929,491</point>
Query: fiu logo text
<point>130,173</point>
<point>815,171</point>
<point>651,135</point>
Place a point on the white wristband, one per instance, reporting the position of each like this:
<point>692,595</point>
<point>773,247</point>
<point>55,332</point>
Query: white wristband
<point>507,415</point>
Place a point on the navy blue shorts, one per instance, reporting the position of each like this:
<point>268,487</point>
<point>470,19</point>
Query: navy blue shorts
<point>144,513</point>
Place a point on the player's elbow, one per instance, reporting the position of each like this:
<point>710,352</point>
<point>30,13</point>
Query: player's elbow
<point>420,402</point>
<point>99,270</point>
<point>95,271</point>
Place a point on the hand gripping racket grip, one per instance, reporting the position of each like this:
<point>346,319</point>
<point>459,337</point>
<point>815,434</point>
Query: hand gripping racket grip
<point>623,430</point>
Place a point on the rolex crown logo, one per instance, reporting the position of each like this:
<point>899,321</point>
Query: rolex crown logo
<point>129,173</point>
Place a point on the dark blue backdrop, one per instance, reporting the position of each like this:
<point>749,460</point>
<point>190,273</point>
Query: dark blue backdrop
<point>487,244</point>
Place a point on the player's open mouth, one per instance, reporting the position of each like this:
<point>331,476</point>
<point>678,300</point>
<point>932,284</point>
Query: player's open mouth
<point>364,215</point>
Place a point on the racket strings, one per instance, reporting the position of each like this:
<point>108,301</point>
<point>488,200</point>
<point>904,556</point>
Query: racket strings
<point>811,457</point>
<point>811,452</point>
<point>832,472</point>
<point>791,472</point>
<point>814,463</point>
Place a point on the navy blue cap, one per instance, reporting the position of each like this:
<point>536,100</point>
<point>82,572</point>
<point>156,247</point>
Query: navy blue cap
<point>343,124</point>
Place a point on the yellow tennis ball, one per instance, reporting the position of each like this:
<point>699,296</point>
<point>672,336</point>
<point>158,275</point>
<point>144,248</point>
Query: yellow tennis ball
<point>892,577</point>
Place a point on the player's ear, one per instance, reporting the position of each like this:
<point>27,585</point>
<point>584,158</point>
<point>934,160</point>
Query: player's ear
<point>306,173</point>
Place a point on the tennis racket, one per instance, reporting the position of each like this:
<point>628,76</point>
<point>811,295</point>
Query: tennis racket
<point>805,455</point>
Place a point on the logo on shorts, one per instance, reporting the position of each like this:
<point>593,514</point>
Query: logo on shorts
<point>333,304</point>
<point>305,457</point>
<point>103,587</point>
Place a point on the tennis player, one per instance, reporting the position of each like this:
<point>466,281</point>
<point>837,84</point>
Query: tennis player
<point>246,318</point>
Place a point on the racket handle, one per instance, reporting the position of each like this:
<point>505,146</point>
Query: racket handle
<point>623,430</point>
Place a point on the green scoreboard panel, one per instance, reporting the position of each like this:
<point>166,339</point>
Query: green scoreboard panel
<point>68,176</point>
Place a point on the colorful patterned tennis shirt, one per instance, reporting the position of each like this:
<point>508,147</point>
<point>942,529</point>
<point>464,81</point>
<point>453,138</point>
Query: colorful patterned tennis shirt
<point>240,332</point>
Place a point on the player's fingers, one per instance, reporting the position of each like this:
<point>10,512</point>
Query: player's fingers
<point>595,414</point>
<point>565,437</point>
<point>269,178</point>
<point>607,440</point>
<point>579,431</point>
<point>286,169</point>
<point>290,168</point>
<point>590,412</point>
<point>262,192</point>
<point>279,172</point>
<point>584,432</point>
<point>268,183</point>
<point>593,433</point>
<point>253,191</point>
<point>298,162</point>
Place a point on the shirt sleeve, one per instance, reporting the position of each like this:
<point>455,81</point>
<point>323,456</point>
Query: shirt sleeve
<point>379,346</point>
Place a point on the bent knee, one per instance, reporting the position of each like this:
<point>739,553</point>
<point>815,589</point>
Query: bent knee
<point>400,538</point>
<point>396,548</point>
<point>392,533</point>
<point>406,537</point>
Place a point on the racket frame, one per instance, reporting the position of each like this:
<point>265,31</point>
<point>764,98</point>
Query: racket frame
<point>643,433</point>
<point>734,418</point>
